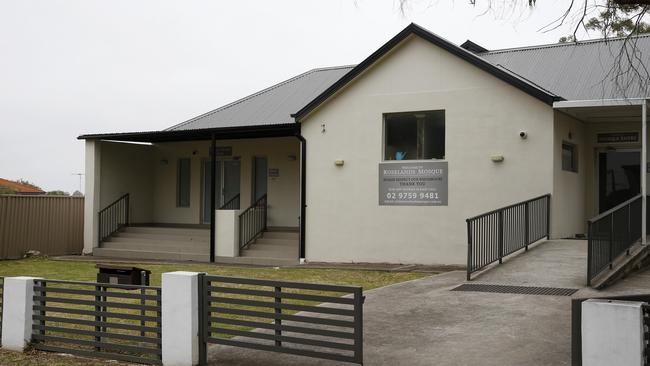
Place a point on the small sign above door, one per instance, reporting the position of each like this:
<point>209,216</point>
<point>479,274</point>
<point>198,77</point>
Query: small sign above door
<point>617,137</point>
<point>221,151</point>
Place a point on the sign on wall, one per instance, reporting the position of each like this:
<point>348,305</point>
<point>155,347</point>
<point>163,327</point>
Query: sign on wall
<point>617,137</point>
<point>413,184</point>
<point>274,172</point>
<point>222,151</point>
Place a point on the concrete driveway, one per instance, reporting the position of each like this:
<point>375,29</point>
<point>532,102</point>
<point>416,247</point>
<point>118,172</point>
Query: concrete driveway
<point>422,322</point>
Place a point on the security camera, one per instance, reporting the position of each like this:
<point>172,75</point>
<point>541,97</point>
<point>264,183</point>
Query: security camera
<point>523,135</point>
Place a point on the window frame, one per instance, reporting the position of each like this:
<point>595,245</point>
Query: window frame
<point>180,204</point>
<point>574,157</point>
<point>384,135</point>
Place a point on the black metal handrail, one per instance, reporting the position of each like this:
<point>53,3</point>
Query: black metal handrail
<point>114,217</point>
<point>611,234</point>
<point>496,234</point>
<point>232,204</point>
<point>252,222</point>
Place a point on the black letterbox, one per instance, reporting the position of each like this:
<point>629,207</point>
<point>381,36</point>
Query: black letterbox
<point>122,275</point>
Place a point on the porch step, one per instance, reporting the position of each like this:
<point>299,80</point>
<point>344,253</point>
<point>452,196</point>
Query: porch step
<point>191,247</point>
<point>266,241</point>
<point>146,254</point>
<point>274,244</point>
<point>160,243</point>
<point>258,261</point>
<point>271,253</point>
<point>168,231</point>
<point>281,235</point>
<point>160,237</point>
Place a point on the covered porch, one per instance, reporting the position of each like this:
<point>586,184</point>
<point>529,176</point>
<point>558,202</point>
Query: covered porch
<point>600,180</point>
<point>230,195</point>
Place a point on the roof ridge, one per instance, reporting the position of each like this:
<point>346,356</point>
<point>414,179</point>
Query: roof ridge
<point>566,44</point>
<point>248,97</point>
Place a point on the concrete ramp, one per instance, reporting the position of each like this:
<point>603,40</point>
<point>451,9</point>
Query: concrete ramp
<point>552,263</point>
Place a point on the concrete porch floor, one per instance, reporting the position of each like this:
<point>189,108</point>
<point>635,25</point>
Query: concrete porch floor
<point>422,322</point>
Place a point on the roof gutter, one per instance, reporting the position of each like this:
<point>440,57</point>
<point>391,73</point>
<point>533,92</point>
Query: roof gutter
<point>597,103</point>
<point>223,133</point>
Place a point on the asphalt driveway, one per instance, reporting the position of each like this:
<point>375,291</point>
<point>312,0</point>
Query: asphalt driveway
<point>422,322</point>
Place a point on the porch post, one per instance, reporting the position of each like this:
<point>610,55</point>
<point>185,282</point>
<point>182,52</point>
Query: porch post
<point>92,199</point>
<point>213,187</point>
<point>303,194</point>
<point>644,172</point>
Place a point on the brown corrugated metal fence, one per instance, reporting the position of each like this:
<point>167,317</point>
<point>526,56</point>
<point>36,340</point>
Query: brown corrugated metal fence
<point>53,225</point>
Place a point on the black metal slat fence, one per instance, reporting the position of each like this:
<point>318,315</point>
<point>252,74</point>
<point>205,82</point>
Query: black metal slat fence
<point>611,234</point>
<point>118,322</point>
<point>496,234</point>
<point>114,217</point>
<point>283,317</point>
<point>252,222</point>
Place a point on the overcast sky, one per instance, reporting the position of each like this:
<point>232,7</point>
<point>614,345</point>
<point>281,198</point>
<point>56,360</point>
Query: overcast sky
<point>73,67</point>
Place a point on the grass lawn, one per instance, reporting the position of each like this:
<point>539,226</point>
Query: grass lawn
<point>86,271</point>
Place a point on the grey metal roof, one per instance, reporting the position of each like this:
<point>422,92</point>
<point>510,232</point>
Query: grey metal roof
<point>572,71</point>
<point>271,106</point>
<point>577,71</point>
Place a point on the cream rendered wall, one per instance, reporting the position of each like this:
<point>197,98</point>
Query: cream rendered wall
<point>283,191</point>
<point>483,117</point>
<point>569,188</point>
<point>127,168</point>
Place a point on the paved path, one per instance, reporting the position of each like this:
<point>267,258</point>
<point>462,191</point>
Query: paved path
<point>421,322</point>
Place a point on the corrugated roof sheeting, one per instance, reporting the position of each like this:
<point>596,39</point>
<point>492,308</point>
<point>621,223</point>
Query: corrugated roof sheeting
<point>270,106</point>
<point>577,71</point>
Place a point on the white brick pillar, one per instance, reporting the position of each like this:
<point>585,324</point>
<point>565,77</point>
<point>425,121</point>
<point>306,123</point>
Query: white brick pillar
<point>612,333</point>
<point>17,304</point>
<point>180,318</point>
<point>226,236</point>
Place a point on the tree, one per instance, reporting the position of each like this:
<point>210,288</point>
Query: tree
<point>27,183</point>
<point>57,193</point>
<point>619,18</point>
<point>616,21</point>
<point>619,22</point>
<point>7,190</point>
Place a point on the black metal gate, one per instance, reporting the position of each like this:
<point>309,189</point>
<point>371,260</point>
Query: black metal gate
<point>117,322</point>
<point>280,316</point>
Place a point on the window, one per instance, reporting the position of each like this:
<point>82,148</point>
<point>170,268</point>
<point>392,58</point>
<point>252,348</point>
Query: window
<point>183,183</point>
<point>569,157</point>
<point>414,135</point>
